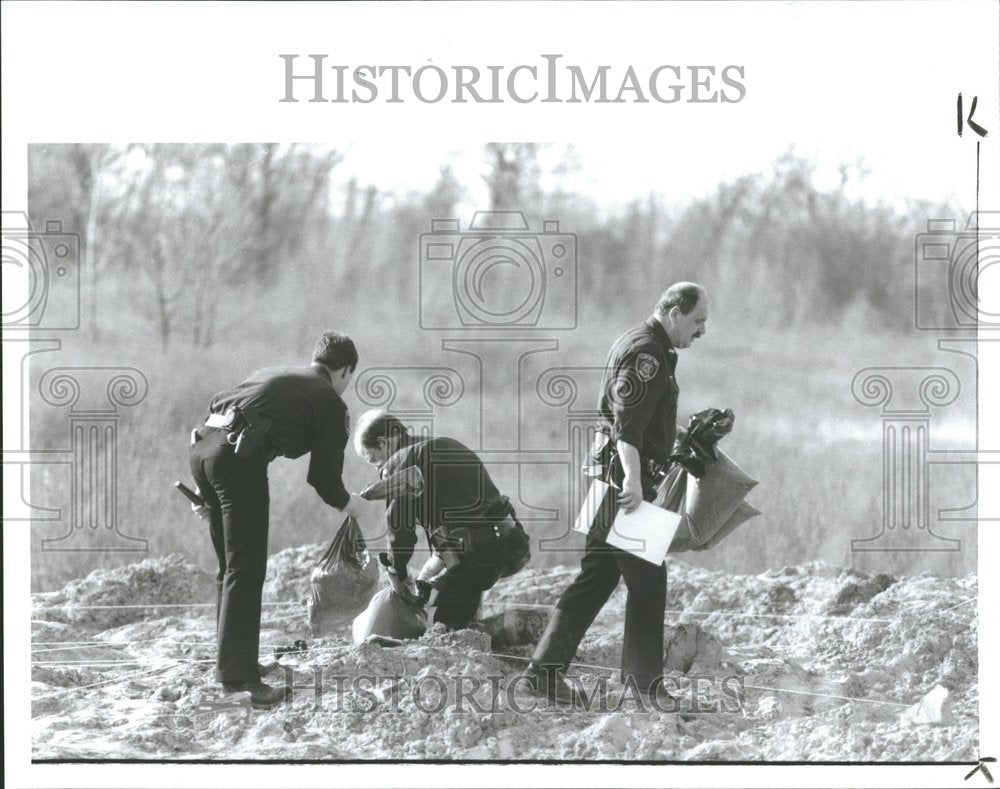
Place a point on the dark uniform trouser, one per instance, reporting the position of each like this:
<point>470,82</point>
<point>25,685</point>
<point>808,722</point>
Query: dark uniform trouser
<point>461,590</point>
<point>236,493</point>
<point>601,568</point>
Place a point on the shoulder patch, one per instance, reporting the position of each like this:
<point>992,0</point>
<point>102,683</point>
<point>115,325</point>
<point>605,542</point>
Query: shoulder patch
<point>647,366</point>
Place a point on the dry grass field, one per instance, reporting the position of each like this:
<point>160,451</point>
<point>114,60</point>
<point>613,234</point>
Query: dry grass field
<point>816,451</point>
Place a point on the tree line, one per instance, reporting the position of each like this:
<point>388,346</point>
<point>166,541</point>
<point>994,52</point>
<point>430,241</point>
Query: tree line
<point>167,228</point>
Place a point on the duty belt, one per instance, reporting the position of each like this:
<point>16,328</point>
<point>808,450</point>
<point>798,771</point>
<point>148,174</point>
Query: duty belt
<point>246,431</point>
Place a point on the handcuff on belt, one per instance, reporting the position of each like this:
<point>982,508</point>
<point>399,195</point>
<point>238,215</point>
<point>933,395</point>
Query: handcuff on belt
<point>246,432</point>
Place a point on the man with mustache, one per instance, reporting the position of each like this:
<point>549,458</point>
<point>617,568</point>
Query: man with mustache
<point>635,435</point>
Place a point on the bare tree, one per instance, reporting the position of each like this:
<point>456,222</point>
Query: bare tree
<point>285,188</point>
<point>442,200</point>
<point>513,177</point>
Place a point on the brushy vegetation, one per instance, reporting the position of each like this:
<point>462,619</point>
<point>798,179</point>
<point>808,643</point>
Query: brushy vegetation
<point>206,262</point>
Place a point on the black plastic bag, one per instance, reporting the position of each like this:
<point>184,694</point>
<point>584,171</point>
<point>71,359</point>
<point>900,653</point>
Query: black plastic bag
<point>695,446</point>
<point>343,581</point>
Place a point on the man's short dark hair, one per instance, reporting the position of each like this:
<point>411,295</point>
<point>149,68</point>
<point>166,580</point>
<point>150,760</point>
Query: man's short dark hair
<point>376,424</point>
<point>681,294</point>
<point>335,350</point>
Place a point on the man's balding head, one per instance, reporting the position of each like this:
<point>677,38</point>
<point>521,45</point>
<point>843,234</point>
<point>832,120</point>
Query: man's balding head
<point>684,295</point>
<point>683,311</point>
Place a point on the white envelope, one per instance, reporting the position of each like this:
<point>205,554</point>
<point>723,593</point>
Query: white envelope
<point>645,532</point>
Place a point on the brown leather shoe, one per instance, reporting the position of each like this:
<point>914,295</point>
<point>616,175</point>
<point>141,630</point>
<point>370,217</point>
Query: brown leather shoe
<point>266,668</point>
<point>262,695</point>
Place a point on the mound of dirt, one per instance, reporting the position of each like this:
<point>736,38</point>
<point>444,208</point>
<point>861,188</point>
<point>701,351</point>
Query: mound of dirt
<point>853,593</point>
<point>164,581</point>
<point>690,649</point>
<point>288,573</point>
<point>516,627</point>
<point>799,663</point>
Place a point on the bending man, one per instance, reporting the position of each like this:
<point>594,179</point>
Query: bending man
<point>441,485</point>
<point>285,411</point>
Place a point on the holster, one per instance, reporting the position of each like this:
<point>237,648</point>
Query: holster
<point>655,470</point>
<point>515,549</point>
<point>602,449</point>
<point>603,462</point>
<point>506,542</point>
<point>250,430</point>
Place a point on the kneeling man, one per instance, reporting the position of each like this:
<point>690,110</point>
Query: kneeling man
<point>443,486</point>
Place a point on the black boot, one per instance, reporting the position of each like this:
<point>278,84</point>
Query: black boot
<point>555,651</point>
<point>657,698</point>
<point>262,696</point>
<point>547,681</point>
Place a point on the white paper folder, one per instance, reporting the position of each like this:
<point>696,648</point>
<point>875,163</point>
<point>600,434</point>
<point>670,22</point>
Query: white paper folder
<point>645,532</point>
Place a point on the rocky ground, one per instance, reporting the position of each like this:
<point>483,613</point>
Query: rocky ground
<point>803,663</point>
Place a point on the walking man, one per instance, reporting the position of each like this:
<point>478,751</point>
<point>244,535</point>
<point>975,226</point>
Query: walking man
<point>635,435</point>
<point>286,411</point>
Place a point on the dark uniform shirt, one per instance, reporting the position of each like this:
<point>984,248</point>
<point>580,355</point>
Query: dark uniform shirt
<point>638,402</point>
<point>306,415</point>
<point>456,491</point>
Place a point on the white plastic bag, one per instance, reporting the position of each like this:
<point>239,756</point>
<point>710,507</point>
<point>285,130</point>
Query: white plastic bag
<point>390,616</point>
<point>711,507</point>
<point>342,581</point>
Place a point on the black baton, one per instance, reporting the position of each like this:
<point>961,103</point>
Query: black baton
<point>193,497</point>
